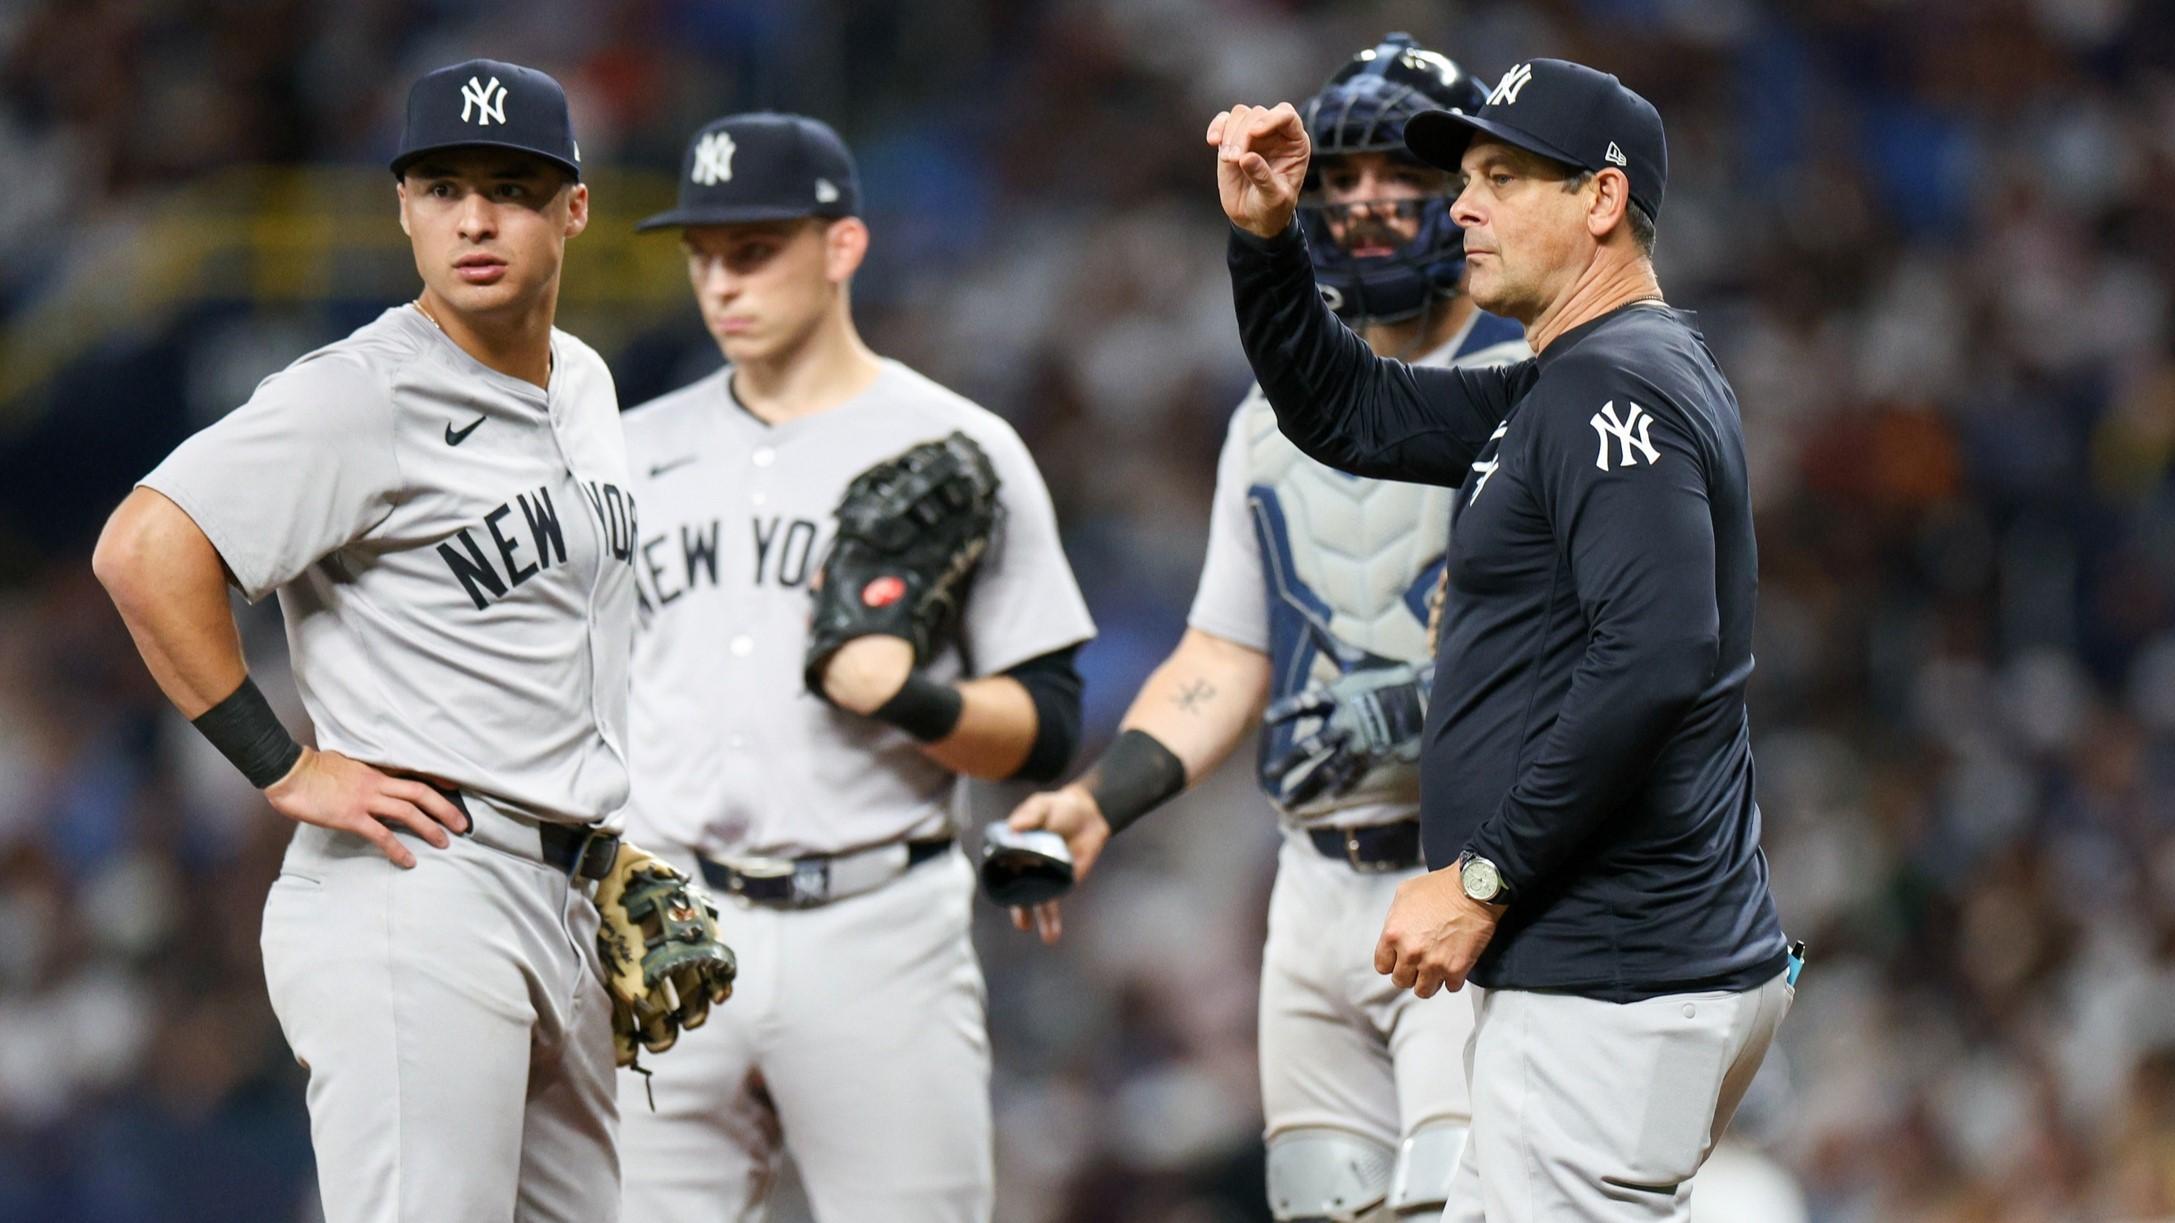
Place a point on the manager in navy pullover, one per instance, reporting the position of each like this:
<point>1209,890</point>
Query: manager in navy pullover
<point>1587,743</point>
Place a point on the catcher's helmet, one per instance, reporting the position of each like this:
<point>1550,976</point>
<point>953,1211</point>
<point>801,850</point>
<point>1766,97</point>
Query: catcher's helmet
<point>1363,109</point>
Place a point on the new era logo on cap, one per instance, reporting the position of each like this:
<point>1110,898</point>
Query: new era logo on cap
<point>1614,156</point>
<point>826,191</point>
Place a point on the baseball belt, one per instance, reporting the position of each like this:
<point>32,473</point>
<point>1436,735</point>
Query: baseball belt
<point>806,883</point>
<point>1373,850</point>
<point>579,851</point>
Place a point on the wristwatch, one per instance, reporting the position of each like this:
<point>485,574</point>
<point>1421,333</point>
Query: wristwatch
<point>1480,879</point>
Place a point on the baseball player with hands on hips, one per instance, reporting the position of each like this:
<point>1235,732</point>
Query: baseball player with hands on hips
<point>853,594</point>
<point>1314,604</point>
<point>442,502</point>
<point>1586,770</point>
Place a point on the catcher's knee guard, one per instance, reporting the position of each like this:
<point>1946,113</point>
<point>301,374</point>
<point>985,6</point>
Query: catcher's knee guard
<point>1426,1162</point>
<point>1323,1175</point>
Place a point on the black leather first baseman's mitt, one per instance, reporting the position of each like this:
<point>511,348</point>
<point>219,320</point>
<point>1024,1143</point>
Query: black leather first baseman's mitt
<point>910,531</point>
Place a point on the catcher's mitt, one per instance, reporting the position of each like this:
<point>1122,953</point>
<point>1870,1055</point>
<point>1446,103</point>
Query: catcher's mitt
<point>910,531</point>
<point>1367,717</point>
<point>663,963</point>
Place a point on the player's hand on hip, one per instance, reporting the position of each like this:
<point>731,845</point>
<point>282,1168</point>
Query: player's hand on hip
<point>867,671</point>
<point>1261,161</point>
<point>1434,934</point>
<point>333,791</point>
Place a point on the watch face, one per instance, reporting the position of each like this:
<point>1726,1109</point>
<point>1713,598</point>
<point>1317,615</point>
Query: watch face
<point>1482,881</point>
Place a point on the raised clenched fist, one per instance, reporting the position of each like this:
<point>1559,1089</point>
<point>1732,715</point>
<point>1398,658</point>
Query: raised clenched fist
<point>1261,161</point>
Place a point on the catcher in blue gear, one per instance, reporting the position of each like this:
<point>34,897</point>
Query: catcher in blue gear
<point>1310,630</point>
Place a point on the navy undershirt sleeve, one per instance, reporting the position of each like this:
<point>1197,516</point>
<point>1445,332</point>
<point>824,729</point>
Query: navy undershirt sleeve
<point>1053,683</point>
<point>1340,403</point>
<point>1624,483</point>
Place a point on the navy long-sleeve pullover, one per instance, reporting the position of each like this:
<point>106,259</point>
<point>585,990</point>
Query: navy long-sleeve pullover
<point>1587,729</point>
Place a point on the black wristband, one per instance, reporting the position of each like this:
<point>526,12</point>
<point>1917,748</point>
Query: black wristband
<point>247,732</point>
<point>1133,778</point>
<point>923,708</point>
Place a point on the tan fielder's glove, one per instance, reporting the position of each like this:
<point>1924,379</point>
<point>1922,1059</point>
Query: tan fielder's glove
<point>664,964</point>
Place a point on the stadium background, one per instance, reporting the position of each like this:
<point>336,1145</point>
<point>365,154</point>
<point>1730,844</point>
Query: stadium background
<point>1932,243</point>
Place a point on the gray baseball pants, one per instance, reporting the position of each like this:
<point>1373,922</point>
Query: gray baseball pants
<point>1600,1112</point>
<point>454,1024</point>
<point>856,1038</point>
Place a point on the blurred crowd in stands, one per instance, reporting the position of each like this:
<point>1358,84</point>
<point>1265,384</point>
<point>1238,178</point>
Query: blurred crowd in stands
<point>1932,242</point>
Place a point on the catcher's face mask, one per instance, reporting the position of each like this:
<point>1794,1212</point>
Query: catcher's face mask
<point>1378,225</point>
<point>1388,262</point>
<point>1372,202</point>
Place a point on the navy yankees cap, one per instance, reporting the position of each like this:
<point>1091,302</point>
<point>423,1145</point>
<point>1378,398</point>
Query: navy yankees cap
<point>763,167</point>
<point>486,103</point>
<point>1563,111</point>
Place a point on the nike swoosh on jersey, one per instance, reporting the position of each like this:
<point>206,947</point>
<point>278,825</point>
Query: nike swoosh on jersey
<point>455,438</point>
<point>661,468</point>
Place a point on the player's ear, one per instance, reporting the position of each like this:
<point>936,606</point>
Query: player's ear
<point>1611,204</point>
<point>845,245</point>
<point>577,208</point>
<point>400,191</point>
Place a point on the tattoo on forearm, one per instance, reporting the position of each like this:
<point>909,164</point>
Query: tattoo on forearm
<point>1195,694</point>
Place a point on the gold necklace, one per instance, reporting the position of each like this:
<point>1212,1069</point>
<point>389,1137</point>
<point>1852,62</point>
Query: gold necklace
<point>427,314</point>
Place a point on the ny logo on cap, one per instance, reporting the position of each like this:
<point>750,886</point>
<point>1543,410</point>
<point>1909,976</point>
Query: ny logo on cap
<point>713,159</point>
<point>488,101</point>
<point>1506,90</point>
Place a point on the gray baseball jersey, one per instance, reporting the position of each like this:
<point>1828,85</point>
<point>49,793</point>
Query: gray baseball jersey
<point>453,553</point>
<point>1326,572</point>
<point>731,756</point>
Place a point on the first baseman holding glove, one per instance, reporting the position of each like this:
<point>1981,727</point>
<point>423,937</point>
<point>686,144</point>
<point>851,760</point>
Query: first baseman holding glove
<point>852,593</point>
<point>441,501</point>
<point>1314,607</point>
<point>1586,771</point>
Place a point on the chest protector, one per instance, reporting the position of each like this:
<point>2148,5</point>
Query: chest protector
<point>1353,567</point>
